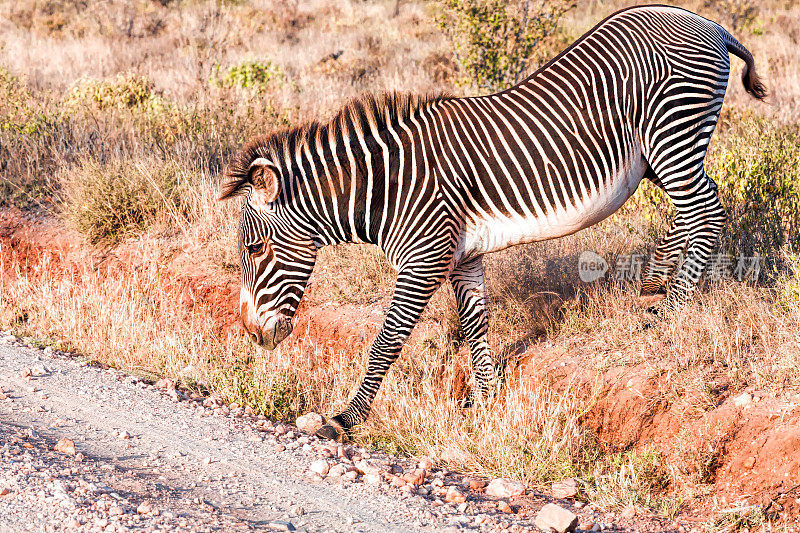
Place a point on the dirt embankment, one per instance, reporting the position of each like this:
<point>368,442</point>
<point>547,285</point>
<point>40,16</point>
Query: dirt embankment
<point>746,444</point>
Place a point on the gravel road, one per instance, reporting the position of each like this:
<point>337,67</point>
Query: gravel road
<point>194,469</point>
<point>90,449</point>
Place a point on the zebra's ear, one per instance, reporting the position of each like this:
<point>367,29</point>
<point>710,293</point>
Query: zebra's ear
<point>265,177</point>
<point>261,178</point>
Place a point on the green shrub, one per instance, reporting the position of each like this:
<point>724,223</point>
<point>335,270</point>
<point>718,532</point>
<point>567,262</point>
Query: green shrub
<point>757,169</point>
<point>496,41</point>
<point>125,91</point>
<point>256,76</point>
<point>110,201</point>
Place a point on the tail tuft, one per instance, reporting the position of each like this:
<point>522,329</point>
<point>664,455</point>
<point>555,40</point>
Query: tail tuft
<point>752,83</point>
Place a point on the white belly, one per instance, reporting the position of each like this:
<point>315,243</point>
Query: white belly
<point>492,234</point>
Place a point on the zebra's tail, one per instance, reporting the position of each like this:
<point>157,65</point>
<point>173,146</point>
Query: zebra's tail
<point>752,83</point>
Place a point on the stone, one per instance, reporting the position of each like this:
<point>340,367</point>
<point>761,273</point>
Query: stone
<point>65,445</point>
<point>566,488</point>
<point>417,477</point>
<point>586,526</point>
<point>628,513</point>
<point>4,491</point>
<point>425,463</point>
<point>554,518</point>
<point>144,508</point>
<point>398,482</point>
<point>743,400</point>
<point>504,507</point>
<point>124,435</point>
<point>749,462</point>
<point>321,467</point>
<point>298,510</point>
<point>165,383</point>
<point>372,479</point>
<point>453,495</point>
<point>369,467</point>
<point>337,470</point>
<point>505,488</point>
<point>310,422</point>
<point>476,484</point>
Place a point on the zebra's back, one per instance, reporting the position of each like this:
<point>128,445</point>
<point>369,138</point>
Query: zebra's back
<point>566,147</point>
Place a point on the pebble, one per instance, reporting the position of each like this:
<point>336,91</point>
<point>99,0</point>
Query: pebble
<point>143,508</point>
<point>743,400</point>
<point>321,467</point>
<point>65,445</point>
<point>425,463</point>
<point>553,517</point>
<point>566,488</point>
<point>281,525</point>
<point>310,422</point>
<point>417,477</point>
<point>454,495</point>
<point>505,488</point>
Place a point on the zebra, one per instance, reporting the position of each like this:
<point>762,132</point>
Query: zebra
<point>437,181</point>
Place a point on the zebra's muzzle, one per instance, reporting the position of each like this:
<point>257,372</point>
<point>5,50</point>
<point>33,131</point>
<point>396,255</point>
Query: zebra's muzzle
<point>275,330</point>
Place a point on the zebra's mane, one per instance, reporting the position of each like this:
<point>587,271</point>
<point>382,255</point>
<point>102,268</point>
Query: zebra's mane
<point>358,117</point>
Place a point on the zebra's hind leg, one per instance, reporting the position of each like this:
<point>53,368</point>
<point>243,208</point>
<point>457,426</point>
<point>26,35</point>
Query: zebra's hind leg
<point>413,289</point>
<point>665,258</point>
<point>702,215</point>
<point>468,285</point>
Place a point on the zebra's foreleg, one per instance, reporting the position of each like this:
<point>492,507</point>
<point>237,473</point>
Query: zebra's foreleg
<point>413,289</point>
<point>468,285</point>
<point>703,215</point>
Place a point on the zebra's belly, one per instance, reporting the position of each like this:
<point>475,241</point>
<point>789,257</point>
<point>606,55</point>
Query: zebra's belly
<point>484,235</point>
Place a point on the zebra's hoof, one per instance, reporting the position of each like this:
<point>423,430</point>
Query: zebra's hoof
<point>331,431</point>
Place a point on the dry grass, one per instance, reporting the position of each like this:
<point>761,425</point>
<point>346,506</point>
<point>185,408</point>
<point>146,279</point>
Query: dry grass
<point>69,112</point>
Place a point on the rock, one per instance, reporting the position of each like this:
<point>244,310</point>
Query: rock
<point>320,467</point>
<point>4,491</point>
<point>310,422</point>
<point>453,495</point>
<point>566,488</point>
<point>504,507</point>
<point>553,517</point>
<point>505,488</point>
<point>372,479</point>
<point>628,513</point>
<point>475,484</point>
<point>65,445</point>
<point>369,467</point>
<point>417,477</point>
<point>462,507</point>
<point>337,470</point>
<point>124,435</point>
<point>586,526</point>
<point>425,463</point>
<point>144,508</point>
<point>26,373</point>
<point>298,510</point>
<point>115,510</point>
<point>743,400</point>
<point>749,462</point>
<point>165,383</point>
<point>398,482</point>
<point>280,525</point>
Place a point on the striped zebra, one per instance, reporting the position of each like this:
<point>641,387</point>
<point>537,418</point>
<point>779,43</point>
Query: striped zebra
<point>437,181</point>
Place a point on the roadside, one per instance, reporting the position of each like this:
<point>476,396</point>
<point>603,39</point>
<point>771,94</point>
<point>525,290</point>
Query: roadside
<point>151,458</point>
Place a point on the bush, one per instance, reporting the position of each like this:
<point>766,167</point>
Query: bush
<point>757,171</point>
<point>496,41</point>
<point>110,201</point>
<point>123,92</point>
<point>256,76</point>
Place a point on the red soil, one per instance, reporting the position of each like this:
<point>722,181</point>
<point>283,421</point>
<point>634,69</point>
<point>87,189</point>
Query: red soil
<point>748,452</point>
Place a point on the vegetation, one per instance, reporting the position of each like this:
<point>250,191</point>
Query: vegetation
<point>498,41</point>
<point>127,151</point>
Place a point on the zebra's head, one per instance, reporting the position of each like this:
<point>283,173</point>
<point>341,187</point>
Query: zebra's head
<point>276,249</point>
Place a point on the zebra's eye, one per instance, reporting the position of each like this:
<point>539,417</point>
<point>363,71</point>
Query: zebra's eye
<point>255,248</point>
